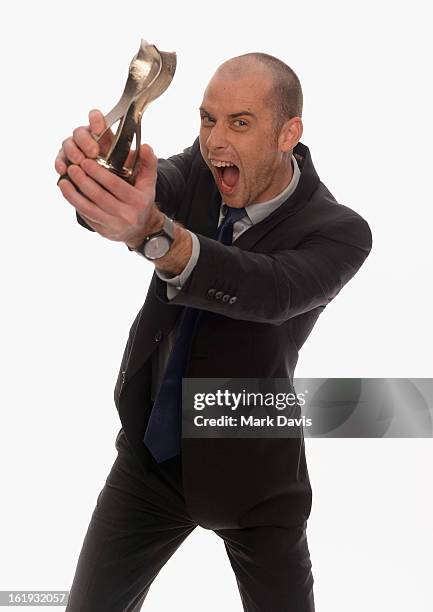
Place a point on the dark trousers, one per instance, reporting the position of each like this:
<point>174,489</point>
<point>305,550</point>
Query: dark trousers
<point>140,520</point>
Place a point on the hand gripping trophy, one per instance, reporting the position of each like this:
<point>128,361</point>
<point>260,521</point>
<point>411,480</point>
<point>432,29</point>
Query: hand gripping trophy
<point>150,73</point>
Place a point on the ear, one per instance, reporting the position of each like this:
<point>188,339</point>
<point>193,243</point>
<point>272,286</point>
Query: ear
<point>290,134</point>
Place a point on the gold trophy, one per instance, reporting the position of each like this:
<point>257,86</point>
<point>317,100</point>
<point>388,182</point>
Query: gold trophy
<point>150,73</point>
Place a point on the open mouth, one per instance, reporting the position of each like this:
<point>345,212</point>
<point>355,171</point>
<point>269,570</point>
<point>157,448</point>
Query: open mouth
<point>227,175</point>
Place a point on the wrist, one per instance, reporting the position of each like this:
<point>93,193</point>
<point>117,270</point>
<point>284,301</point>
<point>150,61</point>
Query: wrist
<point>154,225</point>
<point>177,257</point>
<point>155,222</point>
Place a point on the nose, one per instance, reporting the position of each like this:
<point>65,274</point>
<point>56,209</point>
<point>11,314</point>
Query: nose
<point>217,138</point>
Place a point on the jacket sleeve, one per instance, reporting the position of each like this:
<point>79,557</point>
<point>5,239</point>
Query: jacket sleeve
<point>273,287</point>
<point>170,185</point>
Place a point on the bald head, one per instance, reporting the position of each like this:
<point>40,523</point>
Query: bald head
<point>285,92</point>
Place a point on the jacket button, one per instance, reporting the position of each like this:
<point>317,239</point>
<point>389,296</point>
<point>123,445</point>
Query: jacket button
<point>211,292</point>
<point>158,335</point>
<point>232,300</point>
<point>226,297</point>
<point>218,295</point>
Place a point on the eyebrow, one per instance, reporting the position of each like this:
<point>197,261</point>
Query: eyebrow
<point>232,115</point>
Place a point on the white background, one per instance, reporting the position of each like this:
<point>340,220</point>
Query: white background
<point>70,296</point>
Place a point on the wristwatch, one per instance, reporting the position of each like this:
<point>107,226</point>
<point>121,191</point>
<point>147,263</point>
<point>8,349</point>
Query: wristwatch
<point>157,245</point>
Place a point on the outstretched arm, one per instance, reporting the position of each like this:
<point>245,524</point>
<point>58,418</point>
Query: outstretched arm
<point>272,288</point>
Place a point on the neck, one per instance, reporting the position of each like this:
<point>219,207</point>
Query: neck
<point>280,180</point>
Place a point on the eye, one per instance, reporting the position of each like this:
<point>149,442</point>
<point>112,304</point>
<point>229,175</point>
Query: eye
<point>240,123</point>
<point>206,120</point>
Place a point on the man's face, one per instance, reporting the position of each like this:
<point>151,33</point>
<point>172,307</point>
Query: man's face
<point>237,127</point>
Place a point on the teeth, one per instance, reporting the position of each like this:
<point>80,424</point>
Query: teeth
<point>220,164</point>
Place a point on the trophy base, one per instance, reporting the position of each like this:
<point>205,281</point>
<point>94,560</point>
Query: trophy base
<point>126,173</point>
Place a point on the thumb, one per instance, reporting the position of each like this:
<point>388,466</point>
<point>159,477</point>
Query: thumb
<point>145,177</point>
<point>96,122</point>
<point>97,126</point>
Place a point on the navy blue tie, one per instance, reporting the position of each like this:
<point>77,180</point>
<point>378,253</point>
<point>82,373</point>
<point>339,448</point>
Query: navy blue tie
<point>163,432</point>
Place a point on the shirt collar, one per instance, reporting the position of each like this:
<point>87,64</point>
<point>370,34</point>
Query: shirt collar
<point>257,212</point>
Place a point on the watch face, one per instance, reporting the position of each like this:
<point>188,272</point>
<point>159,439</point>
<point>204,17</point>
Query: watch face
<point>156,247</point>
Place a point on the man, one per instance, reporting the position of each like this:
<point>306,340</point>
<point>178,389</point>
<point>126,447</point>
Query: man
<point>258,250</point>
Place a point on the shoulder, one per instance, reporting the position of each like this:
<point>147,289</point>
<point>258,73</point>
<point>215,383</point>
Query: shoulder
<point>335,218</point>
<point>181,161</point>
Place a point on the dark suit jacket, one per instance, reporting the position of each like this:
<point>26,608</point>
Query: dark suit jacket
<point>279,276</point>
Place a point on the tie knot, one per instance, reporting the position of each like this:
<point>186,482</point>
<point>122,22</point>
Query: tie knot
<point>225,230</point>
<point>233,214</point>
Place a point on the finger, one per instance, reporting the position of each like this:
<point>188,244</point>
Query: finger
<point>71,151</point>
<point>94,192</point>
<point>96,226</point>
<point>85,141</point>
<point>147,170</point>
<point>117,186</point>
<point>59,163</point>
<point>96,122</point>
<point>85,207</point>
<point>97,127</point>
